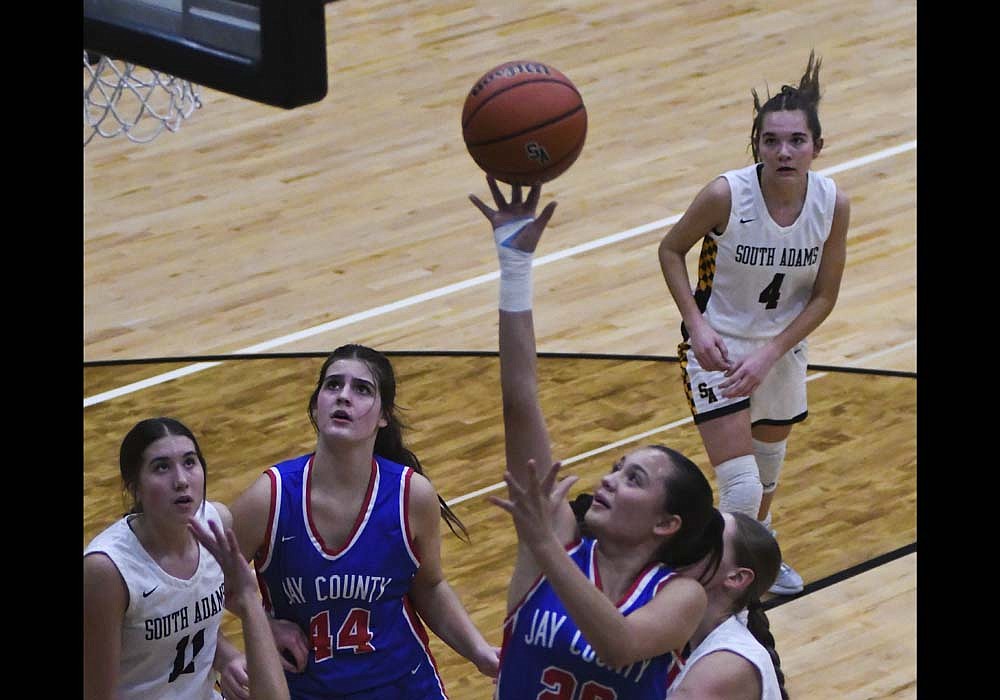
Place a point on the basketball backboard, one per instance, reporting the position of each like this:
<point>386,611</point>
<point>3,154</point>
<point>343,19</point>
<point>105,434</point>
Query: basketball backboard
<point>268,51</point>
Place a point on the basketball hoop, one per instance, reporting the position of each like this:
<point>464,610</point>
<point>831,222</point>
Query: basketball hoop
<point>123,98</point>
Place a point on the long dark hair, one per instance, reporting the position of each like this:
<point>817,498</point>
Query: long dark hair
<point>688,495</point>
<point>805,97</point>
<point>142,435</point>
<point>389,439</point>
<point>755,548</point>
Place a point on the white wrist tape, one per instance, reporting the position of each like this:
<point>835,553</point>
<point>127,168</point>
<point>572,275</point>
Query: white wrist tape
<point>515,267</point>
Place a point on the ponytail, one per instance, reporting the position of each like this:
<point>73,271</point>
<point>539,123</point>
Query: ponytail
<point>389,444</point>
<point>760,628</point>
<point>755,548</point>
<point>689,496</point>
<point>805,97</point>
<point>693,548</point>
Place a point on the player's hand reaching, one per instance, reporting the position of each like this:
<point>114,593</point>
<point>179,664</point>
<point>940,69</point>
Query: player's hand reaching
<point>517,210</point>
<point>241,584</point>
<point>241,592</point>
<point>533,503</point>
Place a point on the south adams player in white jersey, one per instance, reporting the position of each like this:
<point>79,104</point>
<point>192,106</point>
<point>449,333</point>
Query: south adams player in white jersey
<point>759,275</point>
<point>169,631</point>
<point>773,246</point>
<point>732,653</point>
<point>153,595</point>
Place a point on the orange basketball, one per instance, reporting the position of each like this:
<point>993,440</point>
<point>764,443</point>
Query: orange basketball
<point>524,122</point>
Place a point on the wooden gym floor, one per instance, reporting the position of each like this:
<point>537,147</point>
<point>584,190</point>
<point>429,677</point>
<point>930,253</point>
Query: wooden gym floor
<point>222,261</point>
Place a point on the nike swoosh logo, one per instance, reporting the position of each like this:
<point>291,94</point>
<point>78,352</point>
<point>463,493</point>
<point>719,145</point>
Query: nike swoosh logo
<point>285,539</point>
<point>146,594</point>
<point>746,221</point>
<point>417,668</point>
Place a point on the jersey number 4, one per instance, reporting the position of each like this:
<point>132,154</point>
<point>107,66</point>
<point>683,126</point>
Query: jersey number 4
<point>560,684</point>
<point>772,292</point>
<point>355,634</point>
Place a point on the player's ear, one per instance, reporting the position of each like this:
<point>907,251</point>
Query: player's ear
<point>669,524</point>
<point>739,578</point>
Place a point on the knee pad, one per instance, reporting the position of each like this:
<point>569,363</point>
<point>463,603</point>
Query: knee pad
<point>739,485</point>
<point>770,456</point>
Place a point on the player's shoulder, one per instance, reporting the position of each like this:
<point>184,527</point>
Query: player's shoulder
<point>421,487</point>
<point>829,184</point>
<point>714,199</point>
<point>719,187</point>
<point>102,578</point>
<point>684,586</point>
<point>105,592</point>
<point>721,673</point>
<point>843,200</point>
<point>225,515</point>
<point>99,565</point>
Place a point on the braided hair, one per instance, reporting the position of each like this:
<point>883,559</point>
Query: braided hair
<point>804,97</point>
<point>754,547</point>
<point>389,439</point>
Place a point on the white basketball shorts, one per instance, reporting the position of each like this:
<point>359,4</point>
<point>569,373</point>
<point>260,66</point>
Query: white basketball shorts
<point>779,400</point>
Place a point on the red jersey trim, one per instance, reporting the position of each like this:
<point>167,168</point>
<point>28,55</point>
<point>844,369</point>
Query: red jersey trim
<point>417,627</point>
<point>404,515</point>
<point>640,581</point>
<point>263,555</point>
<point>359,522</point>
<point>570,549</point>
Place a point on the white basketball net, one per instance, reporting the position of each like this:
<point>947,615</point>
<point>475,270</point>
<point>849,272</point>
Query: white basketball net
<point>123,98</point>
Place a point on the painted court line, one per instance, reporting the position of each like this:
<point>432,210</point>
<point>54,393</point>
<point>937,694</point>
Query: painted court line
<point>449,289</point>
<point>662,429</point>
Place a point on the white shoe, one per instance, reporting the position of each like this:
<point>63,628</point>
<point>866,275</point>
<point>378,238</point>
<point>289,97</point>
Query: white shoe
<point>788,582</point>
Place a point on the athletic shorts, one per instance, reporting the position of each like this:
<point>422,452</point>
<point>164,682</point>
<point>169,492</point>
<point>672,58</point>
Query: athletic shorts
<point>417,684</point>
<point>779,400</point>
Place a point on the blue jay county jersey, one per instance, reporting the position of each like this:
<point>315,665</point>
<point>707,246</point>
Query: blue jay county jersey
<point>351,603</point>
<point>544,654</point>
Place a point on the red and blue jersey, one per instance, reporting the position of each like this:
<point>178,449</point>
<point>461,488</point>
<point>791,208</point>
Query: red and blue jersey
<point>545,655</point>
<point>352,603</point>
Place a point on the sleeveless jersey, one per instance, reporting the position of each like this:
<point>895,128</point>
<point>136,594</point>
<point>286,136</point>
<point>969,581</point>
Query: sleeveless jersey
<point>171,625</point>
<point>352,603</point>
<point>755,277</point>
<point>732,635</point>
<point>543,649</point>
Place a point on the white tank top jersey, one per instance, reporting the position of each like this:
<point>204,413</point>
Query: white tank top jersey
<point>732,635</point>
<point>171,625</point>
<point>756,276</point>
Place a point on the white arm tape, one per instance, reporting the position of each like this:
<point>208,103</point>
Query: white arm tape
<point>515,267</point>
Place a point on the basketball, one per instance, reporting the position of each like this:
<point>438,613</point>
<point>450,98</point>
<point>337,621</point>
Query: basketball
<point>524,122</point>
